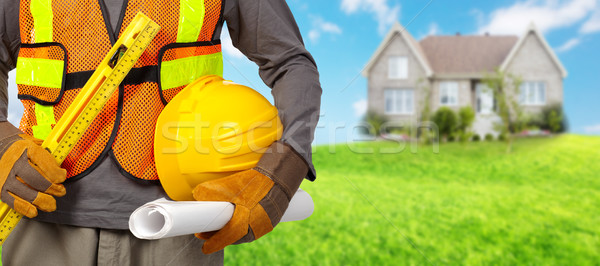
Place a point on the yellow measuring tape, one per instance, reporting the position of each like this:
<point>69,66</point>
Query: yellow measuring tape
<point>91,99</point>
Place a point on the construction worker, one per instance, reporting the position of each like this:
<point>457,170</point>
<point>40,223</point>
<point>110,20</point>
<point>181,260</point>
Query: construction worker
<point>55,45</point>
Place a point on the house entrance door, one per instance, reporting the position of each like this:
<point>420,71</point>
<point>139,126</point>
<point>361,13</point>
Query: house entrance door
<point>485,99</point>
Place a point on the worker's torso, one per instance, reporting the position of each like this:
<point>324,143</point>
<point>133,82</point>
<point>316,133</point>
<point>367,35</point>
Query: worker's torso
<point>63,41</point>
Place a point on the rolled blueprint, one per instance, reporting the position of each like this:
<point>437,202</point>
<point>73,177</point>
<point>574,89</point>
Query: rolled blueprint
<point>164,218</point>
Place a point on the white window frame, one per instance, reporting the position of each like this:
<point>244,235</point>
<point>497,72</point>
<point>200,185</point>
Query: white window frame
<point>533,93</point>
<point>399,101</point>
<point>398,67</point>
<point>450,90</point>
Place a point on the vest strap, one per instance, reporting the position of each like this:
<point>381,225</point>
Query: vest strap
<point>191,19</point>
<point>41,10</point>
<point>40,71</point>
<point>45,119</point>
<point>180,72</point>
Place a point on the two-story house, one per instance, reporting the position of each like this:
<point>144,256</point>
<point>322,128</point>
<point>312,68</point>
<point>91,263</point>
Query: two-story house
<point>453,68</point>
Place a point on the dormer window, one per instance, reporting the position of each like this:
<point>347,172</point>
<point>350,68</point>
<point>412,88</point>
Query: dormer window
<point>398,67</point>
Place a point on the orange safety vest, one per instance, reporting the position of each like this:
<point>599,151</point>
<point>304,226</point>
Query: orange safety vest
<point>63,42</point>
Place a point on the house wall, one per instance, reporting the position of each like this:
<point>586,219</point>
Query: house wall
<point>533,63</point>
<point>378,79</point>
<point>464,94</point>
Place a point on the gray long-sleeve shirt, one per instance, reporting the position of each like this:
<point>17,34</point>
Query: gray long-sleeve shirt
<point>264,30</point>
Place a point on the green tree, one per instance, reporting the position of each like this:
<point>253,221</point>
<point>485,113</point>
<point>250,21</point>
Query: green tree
<point>426,111</point>
<point>505,87</point>
<point>446,121</point>
<point>422,132</point>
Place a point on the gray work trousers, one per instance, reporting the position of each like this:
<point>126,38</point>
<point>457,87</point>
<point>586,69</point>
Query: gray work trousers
<point>36,243</point>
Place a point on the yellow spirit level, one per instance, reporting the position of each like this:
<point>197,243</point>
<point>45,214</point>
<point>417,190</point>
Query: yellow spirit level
<point>91,99</point>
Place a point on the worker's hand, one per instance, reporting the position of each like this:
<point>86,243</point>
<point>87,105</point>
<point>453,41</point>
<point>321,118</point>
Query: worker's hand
<point>261,196</point>
<point>29,175</point>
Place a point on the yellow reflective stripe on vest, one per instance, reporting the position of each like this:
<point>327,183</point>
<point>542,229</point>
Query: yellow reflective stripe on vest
<point>41,10</point>
<point>191,18</point>
<point>180,72</point>
<point>40,72</point>
<point>45,119</point>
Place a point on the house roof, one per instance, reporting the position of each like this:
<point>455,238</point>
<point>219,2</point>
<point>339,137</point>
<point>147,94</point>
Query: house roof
<point>467,54</point>
<point>411,42</point>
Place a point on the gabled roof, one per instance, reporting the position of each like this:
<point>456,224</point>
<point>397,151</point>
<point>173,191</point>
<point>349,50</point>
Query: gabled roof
<point>410,41</point>
<point>455,54</point>
<point>533,29</point>
<point>463,56</point>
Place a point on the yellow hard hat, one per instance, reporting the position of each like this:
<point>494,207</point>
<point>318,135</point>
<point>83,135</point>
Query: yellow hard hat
<point>211,129</point>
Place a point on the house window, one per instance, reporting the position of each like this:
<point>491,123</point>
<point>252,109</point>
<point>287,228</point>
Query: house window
<point>449,93</point>
<point>533,93</point>
<point>398,67</point>
<point>399,101</point>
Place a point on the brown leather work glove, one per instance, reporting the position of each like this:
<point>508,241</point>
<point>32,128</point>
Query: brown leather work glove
<point>29,175</point>
<point>261,196</point>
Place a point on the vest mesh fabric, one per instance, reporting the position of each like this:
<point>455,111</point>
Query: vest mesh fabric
<point>80,27</point>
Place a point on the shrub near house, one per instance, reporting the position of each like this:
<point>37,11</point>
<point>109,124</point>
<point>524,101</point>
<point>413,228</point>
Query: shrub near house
<point>446,121</point>
<point>466,117</point>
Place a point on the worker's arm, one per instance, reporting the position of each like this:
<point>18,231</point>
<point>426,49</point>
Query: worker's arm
<point>29,175</point>
<point>9,48</point>
<point>266,32</point>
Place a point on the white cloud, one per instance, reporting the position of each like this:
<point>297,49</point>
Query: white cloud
<point>331,28</point>
<point>382,12</point>
<point>320,27</point>
<point>351,6</point>
<point>360,107</point>
<point>434,29</point>
<point>570,44</point>
<point>314,35</point>
<point>546,14</point>
<point>592,24</point>
<point>594,129</point>
<point>479,17</point>
<point>228,47</point>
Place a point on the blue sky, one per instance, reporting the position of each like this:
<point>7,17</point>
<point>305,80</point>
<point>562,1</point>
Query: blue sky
<point>343,34</point>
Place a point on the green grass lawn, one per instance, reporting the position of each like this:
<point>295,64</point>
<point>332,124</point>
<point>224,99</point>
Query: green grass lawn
<point>470,204</point>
